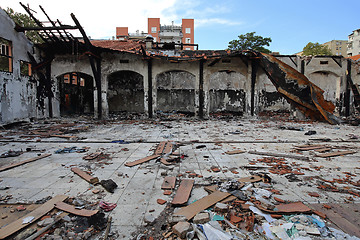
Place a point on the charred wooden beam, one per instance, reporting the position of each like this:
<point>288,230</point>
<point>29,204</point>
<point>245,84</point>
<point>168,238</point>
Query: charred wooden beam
<point>201,89</point>
<point>95,63</point>
<point>53,23</point>
<point>35,19</point>
<point>216,60</point>
<point>150,92</point>
<point>65,27</point>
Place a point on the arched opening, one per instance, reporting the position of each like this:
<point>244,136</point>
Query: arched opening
<point>125,92</point>
<point>226,92</point>
<point>176,92</point>
<point>76,93</point>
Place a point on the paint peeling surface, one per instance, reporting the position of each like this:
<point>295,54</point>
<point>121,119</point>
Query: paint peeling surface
<point>297,89</point>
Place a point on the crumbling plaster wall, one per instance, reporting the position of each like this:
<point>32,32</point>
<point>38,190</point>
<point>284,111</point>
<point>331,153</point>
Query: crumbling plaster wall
<point>330,75</point>
<point>115,62</point>
<point>228,76</point>
<point>226,86</point>
<point>160,66</point>
<point>18,92</point>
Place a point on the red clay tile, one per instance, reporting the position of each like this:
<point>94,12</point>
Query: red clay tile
<point>161,201</point>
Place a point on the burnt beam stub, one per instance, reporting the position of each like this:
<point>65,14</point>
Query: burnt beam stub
<point>150,92</point>
<point>254,68</point>
<point>347,89</point>
<point>201,89</point>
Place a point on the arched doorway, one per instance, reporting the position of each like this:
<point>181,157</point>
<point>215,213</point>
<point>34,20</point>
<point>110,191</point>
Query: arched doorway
<point>176,92</point>
<point>226,92</point>
<point>125,92</point>
<point>76,93</point>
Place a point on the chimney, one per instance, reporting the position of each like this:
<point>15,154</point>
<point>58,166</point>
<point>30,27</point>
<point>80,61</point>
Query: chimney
<point>149,41</point>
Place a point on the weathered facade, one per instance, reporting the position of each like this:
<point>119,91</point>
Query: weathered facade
<point>228,83</point>
<point>104,77</point>
<point>17,86</point>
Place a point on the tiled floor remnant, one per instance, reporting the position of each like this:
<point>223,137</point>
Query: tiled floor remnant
<point>148,179</point>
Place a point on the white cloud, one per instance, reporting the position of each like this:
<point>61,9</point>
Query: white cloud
<point>212,21</point>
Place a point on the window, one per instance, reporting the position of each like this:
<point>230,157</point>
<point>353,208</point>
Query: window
<point>187,30</point>
<point>153,29</point>
<point>324,62</point>
<point>67,78</point>
<point>5,55</point>
<point>187,40</point>
<point>187,48</point>
<point>74,79</point>
<point>25,68</point>
<point>154,39</point>
<point>82,82</point>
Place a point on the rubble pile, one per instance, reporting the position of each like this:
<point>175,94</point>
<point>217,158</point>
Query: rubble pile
<point>251,209</point>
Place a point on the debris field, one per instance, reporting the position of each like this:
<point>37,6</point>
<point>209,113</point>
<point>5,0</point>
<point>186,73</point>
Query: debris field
<point>223,178</point>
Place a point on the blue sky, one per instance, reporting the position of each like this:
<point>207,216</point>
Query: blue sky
<point>290,24</point>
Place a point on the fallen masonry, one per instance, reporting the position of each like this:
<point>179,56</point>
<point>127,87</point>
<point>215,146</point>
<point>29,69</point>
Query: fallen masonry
<point>89,191</point>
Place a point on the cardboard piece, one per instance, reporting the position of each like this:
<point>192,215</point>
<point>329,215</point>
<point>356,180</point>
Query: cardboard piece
<point>191,210</point>
<point>183,193</point>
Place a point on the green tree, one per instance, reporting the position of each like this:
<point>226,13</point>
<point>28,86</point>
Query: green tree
<point>316,49</point>
<point>24,20</point>
<point>250,41</point>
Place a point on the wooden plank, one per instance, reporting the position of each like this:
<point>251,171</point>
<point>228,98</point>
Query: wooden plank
<point>142,160</point>
<point>71,209</point>
<point>234,152</point>
<point>85,176</point>
<point>321,150</point>
<point>160,148</point>
<point>63,136</point>
<point>163,161</point>
<point>341,222</point>
<point>17,225</point>
<point>334,154</point>
<point>279,155</point>
<point>183,193</point>
<point>169,183</point>
<point>310,148</point>
<point>44,229</point>
<point>168,148</point>
<point>202,204</point>
<point>24,162</point>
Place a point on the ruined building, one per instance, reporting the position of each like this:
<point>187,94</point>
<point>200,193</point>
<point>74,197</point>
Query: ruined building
<point>100,77</point>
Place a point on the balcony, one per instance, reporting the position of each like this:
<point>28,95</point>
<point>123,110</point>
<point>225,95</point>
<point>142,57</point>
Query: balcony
<point>166,34</point>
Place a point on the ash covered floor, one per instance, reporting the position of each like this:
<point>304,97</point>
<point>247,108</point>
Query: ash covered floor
<point>295,165</point>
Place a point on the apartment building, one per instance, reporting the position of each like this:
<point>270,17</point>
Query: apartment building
<point>353,47</point>
<point>337,47</point>
<point>178,34</point>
